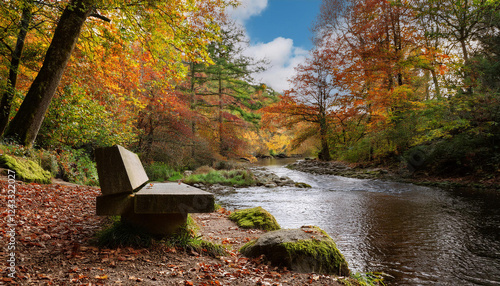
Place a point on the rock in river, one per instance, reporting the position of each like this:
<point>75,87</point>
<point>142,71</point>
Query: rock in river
<point>307,249</point>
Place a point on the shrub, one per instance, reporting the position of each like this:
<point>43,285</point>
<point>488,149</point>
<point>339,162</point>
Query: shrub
<point>159,172</point>
<point>224,165</point>
<point>77,167</point>
<point>48,161</point>
<point>203,170</point>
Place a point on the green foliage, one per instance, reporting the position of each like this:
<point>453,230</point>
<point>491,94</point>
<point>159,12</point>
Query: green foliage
<point>224,165</point>
<point>255,218</point>
<point>48,161</point>
<point>217,207</point>
<point>240,178</point>
<point>160,172</point>
<point>75,119</point>
<point>26,170</point>
<point>77,167</point>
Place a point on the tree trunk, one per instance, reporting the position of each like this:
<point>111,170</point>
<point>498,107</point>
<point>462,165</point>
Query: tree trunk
<point>324,154</point>
<point>436,84</point>
<point>26,124</point>
<point>221,145</point>
<point>8,95</point>
<point>193,108</point>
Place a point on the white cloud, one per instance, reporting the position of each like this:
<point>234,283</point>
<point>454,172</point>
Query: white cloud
<point>247,9</point>
<point>282,58</point>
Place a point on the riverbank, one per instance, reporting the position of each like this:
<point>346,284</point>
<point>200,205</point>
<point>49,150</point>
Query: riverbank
<point>395,173</point>
<point>55,226</point>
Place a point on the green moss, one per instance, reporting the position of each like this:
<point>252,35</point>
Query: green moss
<point>325,251</point>
<point>248,244</point>
<point>305,250</point>
<point>302,185</point>
<point>26,170</point>
<point>365,279</point>
<point>255,218</point>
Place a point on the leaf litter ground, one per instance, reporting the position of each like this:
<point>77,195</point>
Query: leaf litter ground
<point>55,225</point>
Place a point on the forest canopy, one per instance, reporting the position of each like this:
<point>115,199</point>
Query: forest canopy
<point>401,80</point>
<point>386,81</point>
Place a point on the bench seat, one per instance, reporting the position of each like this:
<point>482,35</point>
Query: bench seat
<point>159,208</point>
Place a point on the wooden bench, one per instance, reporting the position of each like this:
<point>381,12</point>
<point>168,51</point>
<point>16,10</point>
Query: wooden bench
<point>158,208</point>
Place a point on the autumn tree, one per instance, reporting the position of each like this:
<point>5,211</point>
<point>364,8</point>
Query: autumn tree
<point>226,86</point>
<point>20,53</point>
<point>16,52</point>
<point>175,24</point>
<point>317,96</point>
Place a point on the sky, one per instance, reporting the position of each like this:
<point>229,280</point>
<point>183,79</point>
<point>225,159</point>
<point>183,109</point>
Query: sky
<point>279,32</point>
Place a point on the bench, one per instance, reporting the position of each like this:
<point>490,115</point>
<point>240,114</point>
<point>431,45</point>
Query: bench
<point>158,208</point>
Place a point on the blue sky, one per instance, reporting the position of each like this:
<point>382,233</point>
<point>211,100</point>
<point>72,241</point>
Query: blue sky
<point>284,18</point>
<point>278,31</point>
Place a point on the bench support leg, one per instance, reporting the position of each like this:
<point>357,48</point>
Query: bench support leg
<point>156,224</point>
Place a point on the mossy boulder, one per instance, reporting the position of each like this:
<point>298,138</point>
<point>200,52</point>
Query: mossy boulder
<point>307,249</point>
<point>255,218</point>
<point>302,185</point>
<point>26,170</point>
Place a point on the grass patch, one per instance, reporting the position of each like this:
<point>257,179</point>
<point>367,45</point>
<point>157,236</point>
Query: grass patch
<point>242,178</point>
<point>255,218</point>
<point>160,172</point>
<point>365,279</point>
<point>26,170</point>
<point>120,234</point>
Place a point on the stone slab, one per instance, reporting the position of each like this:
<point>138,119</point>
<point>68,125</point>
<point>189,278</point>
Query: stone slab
<point>119,170</point>
<point>163,198</point>
<point>117,204</point>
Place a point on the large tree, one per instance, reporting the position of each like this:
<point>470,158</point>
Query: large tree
<point>25,125</point>
<point>179,27</point>
<point>16,52</point>
<point>317,96</point>
<point>225,87</point>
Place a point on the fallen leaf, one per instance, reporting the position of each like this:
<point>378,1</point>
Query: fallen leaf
<point>102,277</point>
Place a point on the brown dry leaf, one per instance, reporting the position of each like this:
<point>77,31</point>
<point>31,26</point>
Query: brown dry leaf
<point>101,277</point>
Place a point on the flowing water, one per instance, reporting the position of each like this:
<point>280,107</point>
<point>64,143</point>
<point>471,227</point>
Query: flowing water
<point>419,235</point>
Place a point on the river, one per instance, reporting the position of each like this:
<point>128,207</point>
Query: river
<point>418,235</point>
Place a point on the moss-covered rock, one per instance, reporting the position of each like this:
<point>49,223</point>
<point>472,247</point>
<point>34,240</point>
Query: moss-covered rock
<point>26,170</point>
<point>308,249</point>
<point>302,185</point>
<point>255,218</point>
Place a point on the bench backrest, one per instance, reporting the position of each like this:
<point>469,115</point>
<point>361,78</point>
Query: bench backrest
<point>119,170</point>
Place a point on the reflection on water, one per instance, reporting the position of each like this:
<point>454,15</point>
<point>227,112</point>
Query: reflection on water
<point>419,235</point>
